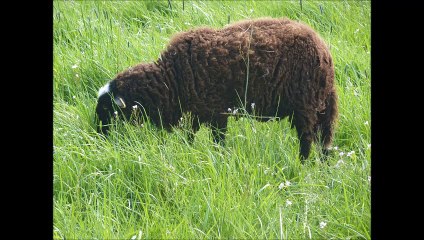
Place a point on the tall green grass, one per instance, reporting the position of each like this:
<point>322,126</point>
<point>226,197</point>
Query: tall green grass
<point>143,182</point>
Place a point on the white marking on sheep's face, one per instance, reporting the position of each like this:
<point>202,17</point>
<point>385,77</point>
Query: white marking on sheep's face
<point>103,90</point>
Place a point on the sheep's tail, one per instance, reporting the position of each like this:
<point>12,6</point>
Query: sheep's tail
<point>327,120</point>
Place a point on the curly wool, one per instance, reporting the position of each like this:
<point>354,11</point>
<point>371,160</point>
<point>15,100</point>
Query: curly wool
<point>285,66</point>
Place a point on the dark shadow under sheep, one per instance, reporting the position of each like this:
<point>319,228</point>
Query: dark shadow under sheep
<point>284,65</point>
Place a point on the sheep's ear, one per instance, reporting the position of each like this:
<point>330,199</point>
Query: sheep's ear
<point>120,102</point>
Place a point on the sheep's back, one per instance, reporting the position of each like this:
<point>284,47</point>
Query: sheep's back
<point>280,60</point>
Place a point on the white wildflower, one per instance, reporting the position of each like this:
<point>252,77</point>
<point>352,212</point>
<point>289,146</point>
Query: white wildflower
<point>251,10</point>
<point>235,111</point>
<point>283,185</point>
<point>355,93</point>
<point>369,178</point>
<point>229,110</point>
<point>368,146</point>
<point>76,75</point>
<point>341,154</point>
<point>134,107</point>
<point>172,168</point>
<point>116,113</point>
<point>252,105</point>
<point>349,154</point>
<point>366,123</point>
<point>288,203</point>
<point>74,97</point>
<point>140,233</point>
<point>339,163</point>
<point>74,66</point>
<point>322,224</point>
<point>335,148</point>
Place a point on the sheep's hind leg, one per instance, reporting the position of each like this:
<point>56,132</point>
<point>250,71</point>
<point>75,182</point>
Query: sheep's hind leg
<point>304,126</point>
<point>306,140</point>
<point>326,122</point>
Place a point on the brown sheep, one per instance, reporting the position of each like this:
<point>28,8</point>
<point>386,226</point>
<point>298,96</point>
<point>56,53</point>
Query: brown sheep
<point>285,66</point>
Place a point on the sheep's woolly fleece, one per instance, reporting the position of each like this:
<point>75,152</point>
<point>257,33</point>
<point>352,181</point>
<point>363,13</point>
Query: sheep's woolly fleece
<point>285,66</point>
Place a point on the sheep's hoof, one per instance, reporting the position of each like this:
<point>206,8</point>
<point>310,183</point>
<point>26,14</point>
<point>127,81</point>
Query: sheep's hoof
<point>325,152</point>
<point>302,159</point>
<point>324,155</point>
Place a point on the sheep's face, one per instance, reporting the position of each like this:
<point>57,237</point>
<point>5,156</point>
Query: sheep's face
<point>108,107</point>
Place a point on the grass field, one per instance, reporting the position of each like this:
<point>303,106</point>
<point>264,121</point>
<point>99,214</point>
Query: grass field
<point>147,183</point>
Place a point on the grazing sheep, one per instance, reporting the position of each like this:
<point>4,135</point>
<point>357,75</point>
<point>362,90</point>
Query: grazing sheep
<point>284,65</point>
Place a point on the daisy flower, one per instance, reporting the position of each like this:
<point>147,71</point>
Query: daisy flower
<point>288,203</point>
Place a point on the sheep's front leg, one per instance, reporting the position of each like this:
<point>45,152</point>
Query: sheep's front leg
<point>194,128</point>
<point>219,127</point>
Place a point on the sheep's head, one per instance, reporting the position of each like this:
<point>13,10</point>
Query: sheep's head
<point>109,105</point>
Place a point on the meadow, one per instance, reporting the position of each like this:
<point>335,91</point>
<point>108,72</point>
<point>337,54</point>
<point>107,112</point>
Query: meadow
<point>143,182</point>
